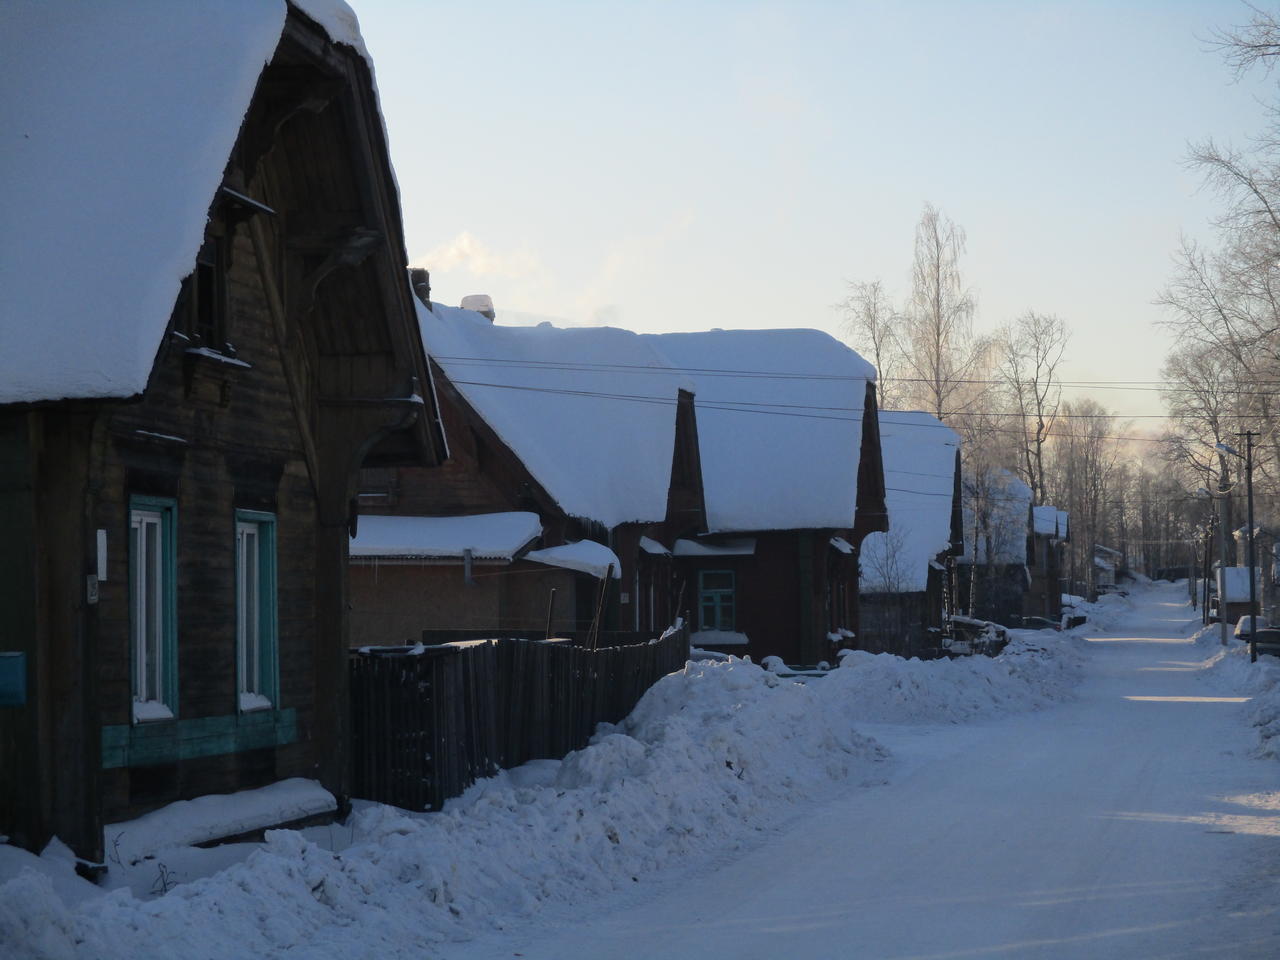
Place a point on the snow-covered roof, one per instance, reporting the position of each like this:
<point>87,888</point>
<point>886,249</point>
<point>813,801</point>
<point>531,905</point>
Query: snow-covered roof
<point>919,477</point>
<point>590,411</point>
<point>779,425</point>
<point>1005,501</point>
<point>649,545</point>
<point>744,547</point>
<point>585,556</point>
<point>1044,521</point>
<point>116,122</point>
<point>489,536</point>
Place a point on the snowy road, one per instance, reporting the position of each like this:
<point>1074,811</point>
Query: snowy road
<point>1130,823</point>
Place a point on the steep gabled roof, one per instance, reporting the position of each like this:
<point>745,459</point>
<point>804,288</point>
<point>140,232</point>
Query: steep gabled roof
<point>779,425</point>
<point>1005,504</point>
<point>920,476</point>
<point>116,122</point>
<point>589,411</point>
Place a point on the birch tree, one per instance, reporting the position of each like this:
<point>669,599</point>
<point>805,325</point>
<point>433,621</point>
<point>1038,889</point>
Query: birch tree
<point>871,324</point>
<point>940,353</point>
<point>1029,357</point>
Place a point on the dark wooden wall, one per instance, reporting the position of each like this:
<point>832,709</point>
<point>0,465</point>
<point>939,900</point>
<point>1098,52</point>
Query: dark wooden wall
<point>215,437</point>
<point>781,594</point>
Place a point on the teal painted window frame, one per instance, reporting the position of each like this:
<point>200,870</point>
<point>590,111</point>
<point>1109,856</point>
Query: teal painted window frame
<point>167,508</point>
<point>719,599</point>
<point>265,617</point>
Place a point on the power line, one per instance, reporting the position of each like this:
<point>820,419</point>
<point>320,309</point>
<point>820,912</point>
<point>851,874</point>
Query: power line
<point>782,410</point>
<point>1155,386</point>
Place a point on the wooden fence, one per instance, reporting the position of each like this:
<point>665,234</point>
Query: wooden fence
<point>427,722</point>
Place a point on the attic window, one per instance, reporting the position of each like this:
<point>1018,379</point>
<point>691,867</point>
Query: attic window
<point>202,307</point>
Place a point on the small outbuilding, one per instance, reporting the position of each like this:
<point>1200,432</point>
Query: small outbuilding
<point>907,582</point>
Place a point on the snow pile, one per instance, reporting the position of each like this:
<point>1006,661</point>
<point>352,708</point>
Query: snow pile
<point>1102,614</point>
<point>1035,669</point>
<point>188,822</point>
<point>1235,675</point>
<point>710,757</point>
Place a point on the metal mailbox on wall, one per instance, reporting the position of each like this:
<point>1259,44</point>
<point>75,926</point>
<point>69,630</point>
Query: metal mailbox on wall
<point>13,679</point>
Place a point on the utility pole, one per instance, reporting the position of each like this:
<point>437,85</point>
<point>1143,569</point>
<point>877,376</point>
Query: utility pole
<point>1253,579</point>
<point>1222,558</point>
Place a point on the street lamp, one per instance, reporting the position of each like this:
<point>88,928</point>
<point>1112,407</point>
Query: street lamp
<point>1247,457</point>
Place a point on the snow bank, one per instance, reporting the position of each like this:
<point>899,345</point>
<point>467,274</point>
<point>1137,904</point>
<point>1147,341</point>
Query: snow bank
<point>1034,670</point>
<point>211,817</point>
<point>709,759</point>
<point>1235,675</point>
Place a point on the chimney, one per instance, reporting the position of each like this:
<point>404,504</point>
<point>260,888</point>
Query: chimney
<point>481,303</point>
<point>420,280</point>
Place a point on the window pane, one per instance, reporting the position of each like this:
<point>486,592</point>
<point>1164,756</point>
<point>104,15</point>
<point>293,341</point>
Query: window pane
<point>717,580</point>
<point>151,562</point>
<point>254,620</point>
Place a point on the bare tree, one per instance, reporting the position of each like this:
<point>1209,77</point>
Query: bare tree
<point>1254,44</point>
<point>871,324</point>
<point>1031,353</point>
<point>937,344</point>
<point>1085,459</point>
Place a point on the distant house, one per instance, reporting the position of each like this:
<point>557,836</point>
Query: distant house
<point>907,585</point>
<point>205,331</point>
<point>1266,547</point>
<point>573,440</point>
<point>994,573</point>
<point>1050,532</point>
<point>1233,593</point>
<point>791,470</point>
<point>1106,567</point>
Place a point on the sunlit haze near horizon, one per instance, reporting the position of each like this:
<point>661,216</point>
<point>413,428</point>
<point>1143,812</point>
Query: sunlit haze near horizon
<point>666,166</point>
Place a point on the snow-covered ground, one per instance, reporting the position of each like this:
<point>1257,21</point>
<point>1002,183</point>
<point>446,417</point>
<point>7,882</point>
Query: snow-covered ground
<point>890,808</point>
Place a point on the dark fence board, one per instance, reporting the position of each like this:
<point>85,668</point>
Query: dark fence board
<point>427,723</point>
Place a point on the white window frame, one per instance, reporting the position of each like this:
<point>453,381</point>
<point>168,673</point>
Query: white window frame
<point>152,617</point>
<point>257,670</point>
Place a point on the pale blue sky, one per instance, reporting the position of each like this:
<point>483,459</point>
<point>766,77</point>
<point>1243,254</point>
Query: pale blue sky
<point>667,166</point>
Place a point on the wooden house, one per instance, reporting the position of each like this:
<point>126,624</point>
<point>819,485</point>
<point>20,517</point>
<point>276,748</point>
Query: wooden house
<point>907,582</point>
<point>1050,532</point>
<point>586,434</point>
<point>994,576</point>
<point>205,332</point>
<point>793,482</point>
<point>1266,551</point>
<point>1233,593</point>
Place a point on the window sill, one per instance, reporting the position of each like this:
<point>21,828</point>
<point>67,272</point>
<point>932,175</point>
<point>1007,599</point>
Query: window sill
<point>149,711</point>
<point>253,702</point>
<point>216,356</point>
